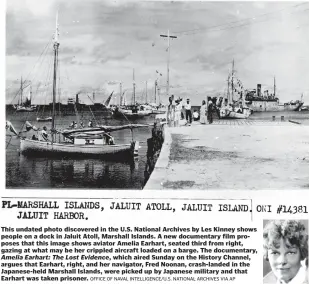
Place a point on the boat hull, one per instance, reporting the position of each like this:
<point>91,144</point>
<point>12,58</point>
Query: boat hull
<point>20,108</point>
<point>235,115</point>
<point>35,147</point>
<point>129,114</point>
<point>263,106</point>
<point>44,119</point>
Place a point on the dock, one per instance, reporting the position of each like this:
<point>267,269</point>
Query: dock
<point>233,154</point>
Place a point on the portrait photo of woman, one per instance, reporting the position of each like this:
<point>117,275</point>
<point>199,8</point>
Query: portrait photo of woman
<point>285,251</point>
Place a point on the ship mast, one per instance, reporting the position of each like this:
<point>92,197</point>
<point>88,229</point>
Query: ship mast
<point>155,91</point>
<point>146,93</point>
<point>233,81</point>
<point>228,89</point>
<point>21,90</point>
<point>274,86</point>
<point>133,88</point>
<point>56,46</point>
<point>120,94</point>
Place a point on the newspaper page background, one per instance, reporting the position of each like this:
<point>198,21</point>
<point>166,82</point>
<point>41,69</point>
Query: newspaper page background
<point>215,234</point>
<point>66,242</point>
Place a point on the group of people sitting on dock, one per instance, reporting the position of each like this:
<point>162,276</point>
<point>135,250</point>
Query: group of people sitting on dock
<point>178,110</point>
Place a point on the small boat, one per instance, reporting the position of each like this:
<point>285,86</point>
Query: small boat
<point>224,113</point>
<point>43,119</point>
<point>88,144</point>
<point>304,108</point>
<point>134,111</point>
<point>20,108</point>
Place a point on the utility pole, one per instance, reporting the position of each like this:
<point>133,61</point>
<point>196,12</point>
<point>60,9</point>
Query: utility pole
<point>168,60</point>
<point>56,47</point>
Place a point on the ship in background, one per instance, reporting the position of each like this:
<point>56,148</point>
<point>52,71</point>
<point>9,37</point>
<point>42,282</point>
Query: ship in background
<point>260,101</point>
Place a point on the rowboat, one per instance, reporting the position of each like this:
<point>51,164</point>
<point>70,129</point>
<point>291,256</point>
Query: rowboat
<point>43,119</point>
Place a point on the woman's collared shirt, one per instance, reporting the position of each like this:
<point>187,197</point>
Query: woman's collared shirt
<point>300,278</point>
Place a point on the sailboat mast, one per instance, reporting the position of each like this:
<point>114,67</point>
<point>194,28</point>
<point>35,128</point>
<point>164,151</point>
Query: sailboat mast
<point>233,81</point>
<point>146,93</point>
<point>133,88</point>
<point>56,46</point>
<point>168,64</point>
<point>120,93</point>
<point>30,95</point>
<point>228,89</point>
<point>274,86</point>
<point>21,90</point>
<point>155,92</point>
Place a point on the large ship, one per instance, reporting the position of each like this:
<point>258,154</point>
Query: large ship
<point>260,101</point>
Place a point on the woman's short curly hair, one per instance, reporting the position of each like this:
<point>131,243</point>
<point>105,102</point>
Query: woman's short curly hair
<point>293,232</point>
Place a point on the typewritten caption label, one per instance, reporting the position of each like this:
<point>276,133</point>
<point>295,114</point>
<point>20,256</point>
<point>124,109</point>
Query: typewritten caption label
<point>122,253</point>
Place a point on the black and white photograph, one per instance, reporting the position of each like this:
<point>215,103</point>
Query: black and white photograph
<point>157,95</point>
<point>285,251</point>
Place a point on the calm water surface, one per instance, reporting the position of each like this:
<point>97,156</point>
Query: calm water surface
<point>40,172</point>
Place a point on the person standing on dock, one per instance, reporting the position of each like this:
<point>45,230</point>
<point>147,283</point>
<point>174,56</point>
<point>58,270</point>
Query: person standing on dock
<point>171,112</point>
<point>188,111</point>
<point>203,112</point>
<point>178,108</point>
<point>210,111</point>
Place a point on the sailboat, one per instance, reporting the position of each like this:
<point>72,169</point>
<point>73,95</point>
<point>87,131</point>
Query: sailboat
<point>24,104</point>
<point>92,141</point>
<point>131,111</point>
<point>42,118</point>
<point>228,109</point>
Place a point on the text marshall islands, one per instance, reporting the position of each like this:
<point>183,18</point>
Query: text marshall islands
<point>122,205</point>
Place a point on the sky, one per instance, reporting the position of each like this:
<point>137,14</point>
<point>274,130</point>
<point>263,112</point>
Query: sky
<point>102,42</point>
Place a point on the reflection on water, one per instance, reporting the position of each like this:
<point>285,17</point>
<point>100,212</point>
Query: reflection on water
<point>40,172</point>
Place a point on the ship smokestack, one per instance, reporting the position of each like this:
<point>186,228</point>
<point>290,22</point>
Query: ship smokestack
<point>259,90</point>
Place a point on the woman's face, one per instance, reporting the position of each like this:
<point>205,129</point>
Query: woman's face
<point>284,261</point>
